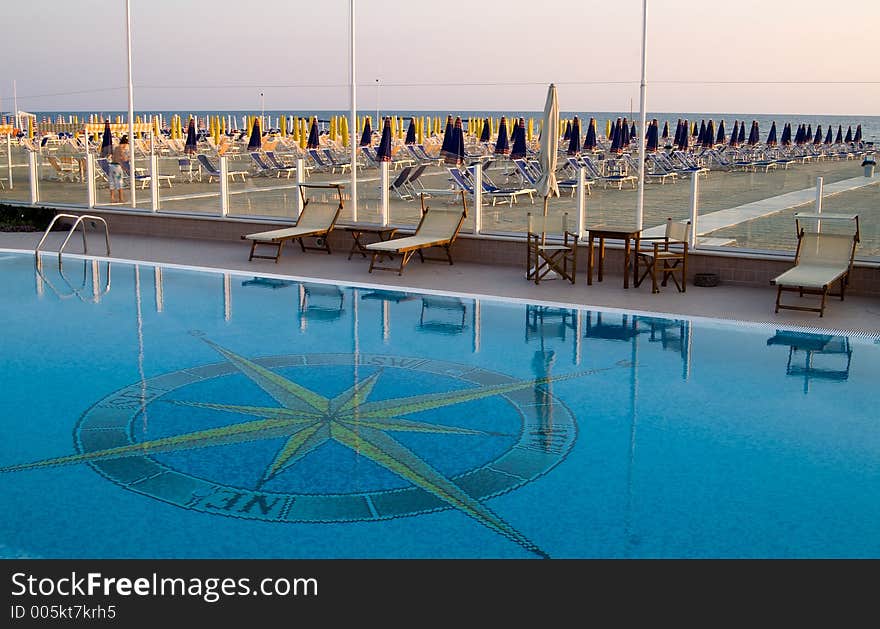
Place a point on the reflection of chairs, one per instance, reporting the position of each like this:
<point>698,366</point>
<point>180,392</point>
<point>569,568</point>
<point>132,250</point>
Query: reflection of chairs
<point>321,302</point>
<point>441,314</point>
<point>821,260</point>
<point>812,345</point>
<point>437,228</point>
<point>666,257</point>
<point>544,322</point>
<point>626,330</point>
<point>549,252</point>
<point>388,295</point>
<point>673,335</point>
<point>315,221</point>
<point>268,282</point>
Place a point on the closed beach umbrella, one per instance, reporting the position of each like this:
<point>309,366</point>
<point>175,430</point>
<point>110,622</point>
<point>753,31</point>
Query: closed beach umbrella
<point>574,142</point>
<point>785,140</point>
<point>190,147</point>
<point>684,138</point>
<point>367,135</point>
<point>518,147</point>
<point>590,140</point>
<point>255,143</point>
<point>839,138</point>
<point>817,139</point>
<point>546,184</point>
<point>383,153</point>
<point>665,130</point>
<point>734,135</point>
<point>502,142</point>
<point>312,142</point>
<point>722,137</point>
<point>653,139</point>
<point>411,132</point>
<point>829,137</point>
<point>615,137</point>
<point>566,136</point>
<point>799,135</point>
<point>695,131</point>
<point>678,130</point>
<point>486,133</point>
<point>701,136</point>
<point>808,137</point>
<point>753,134</point>
<point>771,137</point>
<point>458,140</point>
<point>858,134</point>
<point>632,131</point>
<point>849,135</point>
<point>624,134</point>
<point>609,130</point>
<point>446,144</point>
<point>107,140</point>
<point>742,131</point>
<point>709,135</point>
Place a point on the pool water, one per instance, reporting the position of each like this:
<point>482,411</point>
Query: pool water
<point>160,412</point>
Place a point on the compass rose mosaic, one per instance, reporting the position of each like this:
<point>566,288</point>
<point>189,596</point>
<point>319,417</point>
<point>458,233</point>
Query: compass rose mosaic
<point>328,437</point>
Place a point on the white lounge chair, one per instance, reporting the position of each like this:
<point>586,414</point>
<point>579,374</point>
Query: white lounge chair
<point>821,260</point>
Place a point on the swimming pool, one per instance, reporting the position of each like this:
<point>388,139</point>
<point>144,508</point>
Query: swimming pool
<point>158,412</point>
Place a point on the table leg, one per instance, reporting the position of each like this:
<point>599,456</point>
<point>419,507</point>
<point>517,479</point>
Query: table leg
<point>601,257</point>
<point>635,261</point>
<point>590,261</point>
<point>626,262</point>
<point>356,245</point>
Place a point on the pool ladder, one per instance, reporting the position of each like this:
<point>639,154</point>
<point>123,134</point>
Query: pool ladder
<point>78,222</point>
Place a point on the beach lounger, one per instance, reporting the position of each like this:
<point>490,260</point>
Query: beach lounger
<point>315,221</point>
<point>504,195</point>
<point>280,167</point>
<point>821,260</point>
<point>437,228</point>
<point>260,166</point>
<point>530,175</point>
<point>214,172</point>
<point>399,184</point>
<point>595,172</point>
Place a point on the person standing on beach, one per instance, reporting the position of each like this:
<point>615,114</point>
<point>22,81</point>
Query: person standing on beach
<point>119,156</point>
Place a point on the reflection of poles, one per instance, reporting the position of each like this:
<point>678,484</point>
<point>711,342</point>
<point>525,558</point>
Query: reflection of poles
<point>140,338</point>
<point>478,322</point>
<point>633,396</point>
<point>386,321</point>
<point>302,308</point>
<point>160,299</point>
<point>356,346</point>
<point>227,296</point>
<point>541,366</point>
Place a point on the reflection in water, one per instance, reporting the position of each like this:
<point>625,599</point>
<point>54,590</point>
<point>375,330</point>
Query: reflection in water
<point>542,364</point>
<point>320,302</point>
<point>90,289</point>
<point>821,356</point>
<point>442,315</point>
<point>547,322</point>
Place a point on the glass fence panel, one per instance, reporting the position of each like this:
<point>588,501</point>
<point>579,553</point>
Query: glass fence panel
<point>14,181</point>
<point>426,177</point>
<point>863,200</point>
<point>61,168</point>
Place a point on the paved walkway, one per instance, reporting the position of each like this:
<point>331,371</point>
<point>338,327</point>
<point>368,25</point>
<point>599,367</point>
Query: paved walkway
<point>714,221</point>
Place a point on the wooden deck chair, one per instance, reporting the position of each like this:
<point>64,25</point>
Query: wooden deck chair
<point>551,249</point>
<point>821,260</point>
<point>665,257</point>
<point>437,228</point>
<point>315,221</point>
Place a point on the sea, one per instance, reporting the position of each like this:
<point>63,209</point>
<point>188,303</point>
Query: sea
<point>870,124</point>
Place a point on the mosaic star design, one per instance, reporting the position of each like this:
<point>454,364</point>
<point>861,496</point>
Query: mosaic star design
<point>310,420</point>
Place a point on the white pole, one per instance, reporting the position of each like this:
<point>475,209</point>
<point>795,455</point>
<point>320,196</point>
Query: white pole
<point>263,124</point>
<point>131,153</point>
<point>695,208</point>
<point>820,187</point>
<point>15,104</point>
<point>640,205</point>
<point>377,123</point>
<point>353,120</point>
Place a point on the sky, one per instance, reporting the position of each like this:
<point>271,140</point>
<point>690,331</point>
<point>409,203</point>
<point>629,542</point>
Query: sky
<point>735,56</point>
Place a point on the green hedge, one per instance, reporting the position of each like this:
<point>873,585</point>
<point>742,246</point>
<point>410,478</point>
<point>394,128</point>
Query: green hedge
<point>18,218</point>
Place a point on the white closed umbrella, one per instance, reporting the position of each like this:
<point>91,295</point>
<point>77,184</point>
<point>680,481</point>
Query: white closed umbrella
<point>546,184</point>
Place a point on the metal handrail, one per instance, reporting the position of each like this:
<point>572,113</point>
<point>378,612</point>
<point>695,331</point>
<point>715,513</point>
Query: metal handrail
<point>78,222</point>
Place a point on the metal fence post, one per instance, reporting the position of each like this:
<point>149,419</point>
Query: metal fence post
<point>478,198</point>
<point>33,173</point>
<point>154,181</point>
<point>300,179</point>
<point>383,192</point>
<point>695,205</point>
<point>224,186</point>
<point>581,202</point>
<point>90,179</point>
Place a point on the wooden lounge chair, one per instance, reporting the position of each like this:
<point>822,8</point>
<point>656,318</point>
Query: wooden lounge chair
<point>821,260</point>
<point>437,228</point>
<point>550,250</point>
<point>315,221</point>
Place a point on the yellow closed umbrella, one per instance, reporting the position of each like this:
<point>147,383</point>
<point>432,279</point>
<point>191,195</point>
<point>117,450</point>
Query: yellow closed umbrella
<point>346,140</point>
<point>530,132</point>
<point>608,129</point>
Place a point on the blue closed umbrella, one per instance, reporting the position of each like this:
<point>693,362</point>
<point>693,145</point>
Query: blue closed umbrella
<point>454,140</point>
<point>502,143</point>
<point>447,136</point>
<point>839,138</point>
<point>722,136</point>
<point>367,135</point>
<point>107,140</point>
<point>858,134</point>
<point>486,133</point>
<point>190,147</point>
<point>411,132</point>
<point>518,147</point>
<point>817,139</point>
<point>383,153</point>
<point>709,135</point>
<point>312,140</point>
<point>734,135</point>
<point>567,135</point>
<point>652,142</point>
<point>684,137</point>
<point>632,130</point>
<point>574,142</point>
<point>590,141</point>
<point>665,130</point>
<point>829,136</point>
<point>742,132</point>
<point>785,140</point>
<point>771,137</point>
<point>701,135</point>
<point>808,137</point>
<point>255,142</point>
<point>754,133</point>
<point>615,137</point>
<point>624,134</point>
<point>678,130</point>
<point>849,135</point>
